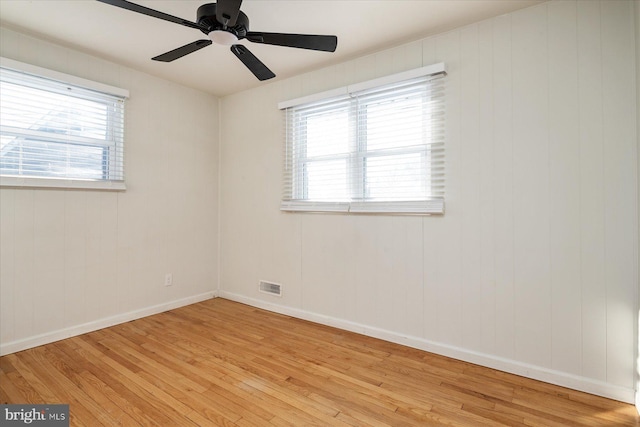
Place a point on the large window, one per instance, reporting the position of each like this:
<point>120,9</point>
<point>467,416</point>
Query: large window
<point>58,132</point>
<point>372,147</point>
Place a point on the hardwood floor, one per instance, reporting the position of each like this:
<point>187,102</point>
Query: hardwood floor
<point>224,363</point>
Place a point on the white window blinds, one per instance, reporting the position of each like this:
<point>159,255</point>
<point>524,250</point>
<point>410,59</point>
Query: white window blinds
<point>55,133</point>
<point>376,147</point>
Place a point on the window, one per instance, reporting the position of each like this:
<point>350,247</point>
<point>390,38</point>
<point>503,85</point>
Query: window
<point>377,146</point>
<point>58,130</point>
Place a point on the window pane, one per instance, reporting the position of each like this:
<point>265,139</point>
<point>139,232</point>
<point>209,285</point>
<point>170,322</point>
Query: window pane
<point>327,180</point>
<point>50,159</point>
<point>395,123</point>
<point>399,177</point>
<point>328,133</point>
<point>41,110</point>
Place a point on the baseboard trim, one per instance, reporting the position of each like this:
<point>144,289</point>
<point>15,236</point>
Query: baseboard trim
<point>49,337</point>
<point>559,378</point>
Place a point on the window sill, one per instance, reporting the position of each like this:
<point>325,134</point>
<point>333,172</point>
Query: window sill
<point>424,207</point>
<point>52,183</point>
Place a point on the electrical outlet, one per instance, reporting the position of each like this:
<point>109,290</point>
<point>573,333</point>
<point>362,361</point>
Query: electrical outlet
<point>168,279</point>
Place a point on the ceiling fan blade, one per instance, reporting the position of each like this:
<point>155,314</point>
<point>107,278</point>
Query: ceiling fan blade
<point>227,11</point>
<point>151,12</point>
<point>303,41</point>
<point>253,64</point>
<point>182,51</point>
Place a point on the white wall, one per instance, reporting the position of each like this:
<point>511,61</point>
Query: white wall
<point>533,268</point>
<point>72,261</point>
<point>637,17</point>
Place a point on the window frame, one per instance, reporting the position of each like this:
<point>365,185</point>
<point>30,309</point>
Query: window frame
<point>79,84</point>
<point>295,199</point>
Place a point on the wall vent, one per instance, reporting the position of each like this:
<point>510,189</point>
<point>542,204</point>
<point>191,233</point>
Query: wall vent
<point>270,288</point>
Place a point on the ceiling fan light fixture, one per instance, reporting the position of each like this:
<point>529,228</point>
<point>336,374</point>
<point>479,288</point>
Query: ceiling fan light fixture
<point>223,37</point>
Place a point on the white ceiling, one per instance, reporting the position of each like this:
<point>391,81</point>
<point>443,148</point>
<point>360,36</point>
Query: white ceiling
<point>132,39</point>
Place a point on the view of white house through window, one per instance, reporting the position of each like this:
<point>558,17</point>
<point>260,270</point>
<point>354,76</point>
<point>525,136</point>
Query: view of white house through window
<point>377,149</point>
<point>58,131</point>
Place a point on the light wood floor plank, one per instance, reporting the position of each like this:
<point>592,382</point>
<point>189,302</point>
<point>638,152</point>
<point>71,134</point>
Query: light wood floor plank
<point>220,363</point>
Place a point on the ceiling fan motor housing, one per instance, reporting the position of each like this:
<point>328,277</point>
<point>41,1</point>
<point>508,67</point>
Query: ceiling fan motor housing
<point>207,18</point>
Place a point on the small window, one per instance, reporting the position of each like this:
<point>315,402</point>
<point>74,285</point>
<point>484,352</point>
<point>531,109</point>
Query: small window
<point>56,133</point>
<point>372,147</point>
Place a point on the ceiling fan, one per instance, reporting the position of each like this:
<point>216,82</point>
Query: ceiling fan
<point>224,23</point>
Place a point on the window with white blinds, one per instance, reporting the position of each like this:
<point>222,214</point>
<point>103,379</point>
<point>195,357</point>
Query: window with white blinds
<point>377,146</point>
<point>60,131</point>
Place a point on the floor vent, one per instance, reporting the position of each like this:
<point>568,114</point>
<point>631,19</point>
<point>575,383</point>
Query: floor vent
<point>271,288</point>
